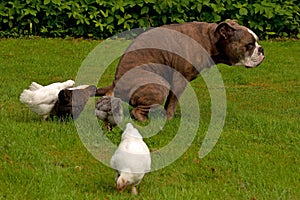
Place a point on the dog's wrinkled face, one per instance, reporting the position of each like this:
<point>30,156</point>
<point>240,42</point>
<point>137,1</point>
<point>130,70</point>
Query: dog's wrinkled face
<point>239,45</point>
<point>253,52</point>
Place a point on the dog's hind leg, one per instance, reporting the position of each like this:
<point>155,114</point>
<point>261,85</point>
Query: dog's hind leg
<point>178,86</point>
<point>145,97</point>
<point>171,105</point>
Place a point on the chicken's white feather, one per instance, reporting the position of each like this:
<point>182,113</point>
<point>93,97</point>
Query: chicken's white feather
<point>35,86</point>
<point>132,158</point>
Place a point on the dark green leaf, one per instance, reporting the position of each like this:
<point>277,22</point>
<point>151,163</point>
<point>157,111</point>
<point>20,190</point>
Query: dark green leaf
<point>243,11</point>
<point>46,2</point>
<point>120,21</point>
<point>110,19</point>
<point>145,10</point>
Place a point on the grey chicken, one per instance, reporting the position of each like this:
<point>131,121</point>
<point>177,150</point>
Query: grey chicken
<point>109,110</point>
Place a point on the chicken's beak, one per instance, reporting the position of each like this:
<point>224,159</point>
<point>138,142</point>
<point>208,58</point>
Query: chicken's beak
<point>121,186</point>
<point>121,190</point>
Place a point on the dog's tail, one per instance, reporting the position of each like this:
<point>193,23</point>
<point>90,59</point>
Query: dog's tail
<point>105,91</point>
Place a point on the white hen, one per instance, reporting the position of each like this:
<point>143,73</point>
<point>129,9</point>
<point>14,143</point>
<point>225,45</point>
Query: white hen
<point>131,159</point>
<point>41,99</point>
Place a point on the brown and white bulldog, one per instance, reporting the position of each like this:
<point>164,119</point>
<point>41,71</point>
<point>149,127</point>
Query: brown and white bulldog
<point>157,66</point>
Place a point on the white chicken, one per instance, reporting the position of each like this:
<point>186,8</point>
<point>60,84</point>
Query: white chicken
<point>41,99</point>
<point>131,160</point>
<point>109,110</point>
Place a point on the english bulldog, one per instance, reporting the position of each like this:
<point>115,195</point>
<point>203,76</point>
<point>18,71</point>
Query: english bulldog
<point>156,68</point>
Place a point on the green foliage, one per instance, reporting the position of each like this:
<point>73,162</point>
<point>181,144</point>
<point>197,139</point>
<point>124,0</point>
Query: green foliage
<point>101,19</point>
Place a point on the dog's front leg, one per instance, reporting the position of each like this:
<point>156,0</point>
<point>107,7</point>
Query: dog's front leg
<point>140,113</point>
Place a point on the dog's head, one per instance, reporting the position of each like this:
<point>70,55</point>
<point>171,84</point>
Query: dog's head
<point>238,45</point>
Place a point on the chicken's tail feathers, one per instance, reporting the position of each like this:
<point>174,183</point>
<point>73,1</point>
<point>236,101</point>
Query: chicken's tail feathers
<point>35,86</point>
<point>67,84</point>
<point>131,131</point>
<point>26,96</point>
<point>105,91</point>
<point>129,127</point>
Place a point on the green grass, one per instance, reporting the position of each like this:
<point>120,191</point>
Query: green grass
<point>256,157</point>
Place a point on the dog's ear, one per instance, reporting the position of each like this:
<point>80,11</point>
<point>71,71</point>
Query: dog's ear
<point>225,29</point>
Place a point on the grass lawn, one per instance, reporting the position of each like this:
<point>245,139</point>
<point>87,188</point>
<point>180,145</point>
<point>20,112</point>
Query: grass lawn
<point>256,157</point>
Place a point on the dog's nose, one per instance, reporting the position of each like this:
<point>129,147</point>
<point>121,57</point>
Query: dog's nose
<point>261,50</point>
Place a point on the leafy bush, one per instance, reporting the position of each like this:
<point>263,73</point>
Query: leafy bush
<point>103,18</point>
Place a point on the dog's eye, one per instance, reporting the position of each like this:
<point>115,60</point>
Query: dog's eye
<point>250,46</point>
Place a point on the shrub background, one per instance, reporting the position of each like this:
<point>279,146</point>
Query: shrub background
<point>101,19</point>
